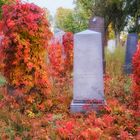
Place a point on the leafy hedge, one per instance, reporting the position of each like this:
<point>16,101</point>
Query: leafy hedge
<point>26,37</point>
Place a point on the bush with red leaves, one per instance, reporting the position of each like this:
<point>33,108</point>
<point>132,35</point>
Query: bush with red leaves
<point>24,46</point>
<point>136,78</point>
<point>68,51</point>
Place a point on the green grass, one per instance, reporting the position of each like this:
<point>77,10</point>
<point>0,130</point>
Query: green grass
<point>115,61</point>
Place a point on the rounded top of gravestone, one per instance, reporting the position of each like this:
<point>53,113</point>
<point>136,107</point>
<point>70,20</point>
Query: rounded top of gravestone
<point>57,30</point>
<point>132,34</point>
<point>87,32</point>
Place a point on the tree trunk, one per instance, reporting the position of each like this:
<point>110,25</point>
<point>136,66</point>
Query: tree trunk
<point>117,38</point>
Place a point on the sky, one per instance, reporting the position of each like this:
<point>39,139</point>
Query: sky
<point>52,5</point>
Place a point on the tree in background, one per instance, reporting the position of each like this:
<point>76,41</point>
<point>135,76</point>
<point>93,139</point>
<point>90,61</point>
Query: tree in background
<point>71,20</point>
<point>81,19</point>
<point>48,15</point>
<point>133,10</point>
<point>64,19</point>
<point>111,34</point>
<point>111,10</point>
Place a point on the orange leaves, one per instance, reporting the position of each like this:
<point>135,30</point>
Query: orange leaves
<point>61,62</point>
<point>108,120</point>
<point>55,58</point>
<point>65,129</point>
<point>30,99</point>
<point>26,35</point>
<point>10,23</point>
<point>1,26</point>
<point>30,65</point>
<point>68,45</point>
<point>124,135</point>
<point>91,133</point>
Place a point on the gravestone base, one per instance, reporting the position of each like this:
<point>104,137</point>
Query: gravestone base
<point>85,106</point>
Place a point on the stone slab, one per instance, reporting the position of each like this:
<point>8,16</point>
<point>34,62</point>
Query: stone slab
<point>86,107</point>
<point>131,47</point>
<point>97,24</point>
<point>88,68</point>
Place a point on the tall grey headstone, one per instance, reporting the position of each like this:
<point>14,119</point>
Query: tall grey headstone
<point>131,47</point>
<point>98,24</point>
<point>88,72</point>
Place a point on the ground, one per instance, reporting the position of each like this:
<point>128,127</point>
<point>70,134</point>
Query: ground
<point>119,120</point>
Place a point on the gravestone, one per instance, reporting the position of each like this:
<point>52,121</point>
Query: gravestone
<point>58,35</point>
<point>131,46</point>
<point>111,46</point>
<point>88,72</point>
<point>97,24</point>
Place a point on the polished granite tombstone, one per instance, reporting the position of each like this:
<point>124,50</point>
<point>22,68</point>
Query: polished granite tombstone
<point>88,72</point>
<point>98,24</point>
<point>131,47</point>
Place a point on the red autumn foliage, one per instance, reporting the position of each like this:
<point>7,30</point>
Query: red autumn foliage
<point>26,36</point>
<point>68,51</point>
<point>118,120</point>
<point>61,61</point>
<point>136,79</point>
<point>56,63</point>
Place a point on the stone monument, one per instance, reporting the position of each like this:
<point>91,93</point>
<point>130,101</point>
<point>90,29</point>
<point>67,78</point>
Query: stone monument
<point>88,72</point>
<point>97,24</point>
<point>58,35</point>
<point>131,46</point>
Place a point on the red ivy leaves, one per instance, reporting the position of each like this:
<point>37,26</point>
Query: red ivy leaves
<point>26,36</point>
<point>136,78</point>
<point>68,51</point>
<point>61,60</point>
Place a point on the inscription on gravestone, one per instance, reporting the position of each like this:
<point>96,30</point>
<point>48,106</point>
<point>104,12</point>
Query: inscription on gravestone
<point>131,47</point>
<point>88,71</point>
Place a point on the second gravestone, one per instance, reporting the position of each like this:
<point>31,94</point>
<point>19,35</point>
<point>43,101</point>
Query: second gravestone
<point>88,72</point>
<point>131,47</point>
<point>98,24</point>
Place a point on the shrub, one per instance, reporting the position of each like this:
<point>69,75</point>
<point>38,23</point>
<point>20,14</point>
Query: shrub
<point>26,37</point>
<point>61,61</point>
<point>56,62</point>
<point>68,51</point>
<point>136,77</point>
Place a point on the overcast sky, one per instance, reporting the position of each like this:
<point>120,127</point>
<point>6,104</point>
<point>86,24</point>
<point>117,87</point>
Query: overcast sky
<point>52,5</point>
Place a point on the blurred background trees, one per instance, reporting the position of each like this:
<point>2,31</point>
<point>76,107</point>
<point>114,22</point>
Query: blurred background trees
<point>120,14</point>
<point>71,20</point>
